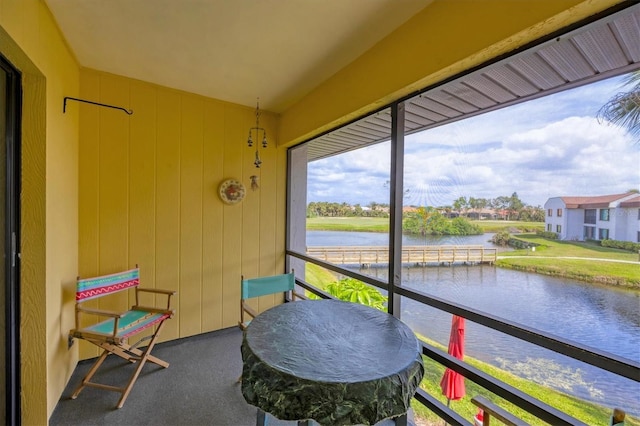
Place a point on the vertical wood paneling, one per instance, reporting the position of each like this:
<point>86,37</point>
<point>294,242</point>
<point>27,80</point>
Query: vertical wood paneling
<point>113,185</point>
<point>142,181</point>
<point>142,185</point>
<point>88,171</point>
<point>251,211</point>
<point>212,218</point>
<point>268,208</point>
<point>235,130</point>
<point>88,196</point>
<point>258,258</point>
<point>191,215</point>
<point>279,194</point>
<point>168,201</point>
<point>149,195</point>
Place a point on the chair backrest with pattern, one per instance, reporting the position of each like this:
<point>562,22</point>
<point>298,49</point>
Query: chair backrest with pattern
<point>90,288</point>
<point>267,285</point>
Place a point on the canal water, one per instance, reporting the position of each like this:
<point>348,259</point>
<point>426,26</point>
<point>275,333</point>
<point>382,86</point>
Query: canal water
<point>338,238</point>
<point>601,317</point>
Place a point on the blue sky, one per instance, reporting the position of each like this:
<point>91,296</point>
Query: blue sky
<point>549,147</point>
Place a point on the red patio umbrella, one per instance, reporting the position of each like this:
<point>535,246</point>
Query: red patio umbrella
<point>452,382</point>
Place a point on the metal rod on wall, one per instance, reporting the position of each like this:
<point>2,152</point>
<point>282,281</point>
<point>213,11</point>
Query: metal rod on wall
<point>64,106</point>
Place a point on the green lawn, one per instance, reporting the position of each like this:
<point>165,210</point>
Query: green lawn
<point>589,413</point>
<point>317,276</point>
<point>360,224</point>
<point>555,248</point>
<point>587,266</point>
<point>380,224</point>
<point>512,226</point>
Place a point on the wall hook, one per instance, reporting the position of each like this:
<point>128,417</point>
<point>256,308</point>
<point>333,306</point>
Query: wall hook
<point>64,105</point>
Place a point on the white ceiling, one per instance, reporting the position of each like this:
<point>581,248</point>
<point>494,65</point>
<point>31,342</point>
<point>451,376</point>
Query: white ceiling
<point>233,50</point>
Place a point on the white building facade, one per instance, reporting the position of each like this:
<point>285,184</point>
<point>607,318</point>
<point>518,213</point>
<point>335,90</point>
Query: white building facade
<point>612,217</point>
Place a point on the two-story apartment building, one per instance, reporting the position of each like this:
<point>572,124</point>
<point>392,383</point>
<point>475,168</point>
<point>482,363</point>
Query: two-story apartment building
<point>613,217</point>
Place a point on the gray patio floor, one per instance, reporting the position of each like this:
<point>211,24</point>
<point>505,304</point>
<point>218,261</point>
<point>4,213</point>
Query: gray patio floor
<point>199,388</point>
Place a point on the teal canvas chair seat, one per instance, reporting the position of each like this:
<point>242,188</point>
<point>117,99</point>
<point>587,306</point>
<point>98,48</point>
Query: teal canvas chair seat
<point>262,286</point>
<point>129,323</point>
<point>113,333</point>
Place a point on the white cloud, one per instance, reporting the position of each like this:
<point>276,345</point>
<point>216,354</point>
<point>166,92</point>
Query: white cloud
<point>548,147</point>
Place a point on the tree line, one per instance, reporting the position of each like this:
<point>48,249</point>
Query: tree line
<point>503,207</point>
<point>327,209</point>
<point>507,207</point>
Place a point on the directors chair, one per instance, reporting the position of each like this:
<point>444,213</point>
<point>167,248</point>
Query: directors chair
<point>112,334</point>
<point>262,286</point>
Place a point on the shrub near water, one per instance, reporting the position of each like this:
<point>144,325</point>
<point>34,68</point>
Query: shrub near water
<point>501,238</point>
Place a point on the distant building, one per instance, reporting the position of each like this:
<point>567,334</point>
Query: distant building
<point>612,217</point>
<point>480,214</point>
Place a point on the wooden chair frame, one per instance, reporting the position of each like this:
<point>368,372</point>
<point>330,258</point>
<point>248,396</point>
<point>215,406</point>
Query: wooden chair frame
<point>112,335</point>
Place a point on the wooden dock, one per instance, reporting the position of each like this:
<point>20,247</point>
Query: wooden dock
<point>420,255</point>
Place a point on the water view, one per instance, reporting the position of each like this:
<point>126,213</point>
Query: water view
<point>602,317</point>
<point>338,238</point>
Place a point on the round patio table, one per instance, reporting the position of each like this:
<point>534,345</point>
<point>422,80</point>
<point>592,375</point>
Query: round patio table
<point>334,362</point>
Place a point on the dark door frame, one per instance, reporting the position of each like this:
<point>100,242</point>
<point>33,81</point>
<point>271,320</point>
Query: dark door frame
<point>12,241</point>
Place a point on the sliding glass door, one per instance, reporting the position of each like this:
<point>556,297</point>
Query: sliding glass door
<point>10,96</point>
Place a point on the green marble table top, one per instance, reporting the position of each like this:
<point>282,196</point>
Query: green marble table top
<point>334,362</point>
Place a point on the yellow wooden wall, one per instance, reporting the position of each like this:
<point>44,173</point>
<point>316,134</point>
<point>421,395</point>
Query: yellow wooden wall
<point>31,41</point>
<point>148,195</point>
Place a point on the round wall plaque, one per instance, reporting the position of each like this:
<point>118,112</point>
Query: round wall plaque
<point>231,191</point>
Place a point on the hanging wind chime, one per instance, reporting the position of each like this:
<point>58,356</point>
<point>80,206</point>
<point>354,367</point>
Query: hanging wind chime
<point>257,162</point>
<point>257,130</point>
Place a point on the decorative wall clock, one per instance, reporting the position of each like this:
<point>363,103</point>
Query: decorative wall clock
<point>231,191</point>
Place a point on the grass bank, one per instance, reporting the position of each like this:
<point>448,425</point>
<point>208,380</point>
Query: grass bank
<point>585,411</point>
<point>583,261</point>
<point>356,224</point>
<point>512,226</point>
<point>380,224</point>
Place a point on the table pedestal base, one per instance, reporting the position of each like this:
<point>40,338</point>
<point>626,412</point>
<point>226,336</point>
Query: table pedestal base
<point>261,420</point>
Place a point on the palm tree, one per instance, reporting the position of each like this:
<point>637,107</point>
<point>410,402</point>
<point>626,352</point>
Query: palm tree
<point>624,108</point>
